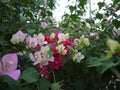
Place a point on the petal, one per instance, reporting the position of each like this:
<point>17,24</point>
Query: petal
<point>31,57</point>
<point>14,75</point>
<point>10,57</point>
<point>36,62</point>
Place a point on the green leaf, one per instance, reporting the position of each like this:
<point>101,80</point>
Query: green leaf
<point>74,17</point>
<point>116,1</point>
<point>23,18</point>
<point>50,53</point>
<point>72,8</point>
<point>38,2</point>
<point>49,13</point>
<point>94,62</point>
<point>31,31</point>
<point>116,23</point>
<point>55,86</point>
<point>90,20</point>
<point>64,25</point>
<point>5,1</point>
<point>101,4</point>
<point>44,84</point>
<point>117,73</point>
<point>83,2</point>
<point>30,75</point>
<point>10,81</point>
<point>99,16</point>
<point>14,87</point>
<point>106,65</point>
<point>30,14</point>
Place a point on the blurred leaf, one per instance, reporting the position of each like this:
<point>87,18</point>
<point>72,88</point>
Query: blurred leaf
<point>83,2</point>
<point>49,13</point>
<point>30,75</point>
<point>74,17</point>
<point>117,72</point>
<point>55,86</point>
<point>99,16</point>
<point>44,84</point>
<point>116,23</point>
<point>31,31</point>
<point>14,87</point>
<point>23,18</point>
<point>38,2</point>
<point>116,1</point>
<point>101,4</point>
<point>4,1</point>
<point>50,53</point>
<point>106,65</point>
<point>95,61</point>
<point>90,20</point>
<point>72,8</point>
<point>64,25</point>
<point>10,81</point>
<point>30,14</point>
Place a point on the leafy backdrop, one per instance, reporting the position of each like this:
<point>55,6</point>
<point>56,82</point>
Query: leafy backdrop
<point>99,70</point>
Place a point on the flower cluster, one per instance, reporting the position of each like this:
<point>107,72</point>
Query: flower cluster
<point>48,49</point>
<point>114,48</point>
<point>82,41</point>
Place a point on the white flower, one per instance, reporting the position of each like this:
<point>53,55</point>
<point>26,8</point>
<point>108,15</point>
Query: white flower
<point>62,37</point>
<point>52,36</point>
<point>18,37</point>
<point>61,49</point>
<point>78,57</point>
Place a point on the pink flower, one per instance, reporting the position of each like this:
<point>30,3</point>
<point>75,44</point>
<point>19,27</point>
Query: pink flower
<point>18,37</point>
<point>44,25</point>
<point>8,66</point>
<point>31,42</point>
<point>38,58</point>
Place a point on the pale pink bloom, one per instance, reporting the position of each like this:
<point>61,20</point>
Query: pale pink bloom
<point>8,66</point>
<point>44,25</point>
<point>31,42</point>
<point>38,58</point>
<point>18,37</point>
<point>41,39</point>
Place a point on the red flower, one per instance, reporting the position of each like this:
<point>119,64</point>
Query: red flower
<point>38,47</point>
<point>68,43</point>
<point>47,38</point>
<point>57,61</point>
<point>56,36</point>
<point>43,71</point>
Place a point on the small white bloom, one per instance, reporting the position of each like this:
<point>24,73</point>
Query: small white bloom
<point>78,57</point>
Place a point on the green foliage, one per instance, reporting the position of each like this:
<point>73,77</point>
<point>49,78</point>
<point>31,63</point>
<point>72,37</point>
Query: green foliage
<point>30,75</point>
<point>44,84</point>
<point>94,72</point>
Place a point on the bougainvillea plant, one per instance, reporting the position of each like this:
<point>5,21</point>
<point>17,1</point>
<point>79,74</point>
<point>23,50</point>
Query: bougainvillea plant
<point>48,49</point>
<point>78,53</point>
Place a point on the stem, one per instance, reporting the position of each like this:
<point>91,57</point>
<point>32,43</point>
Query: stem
<point>38,88</point>
<point>90,9</point>
<point>54,80</point>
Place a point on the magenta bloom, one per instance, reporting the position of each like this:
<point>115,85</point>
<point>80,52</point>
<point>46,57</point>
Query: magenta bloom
<point>8,66</point>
